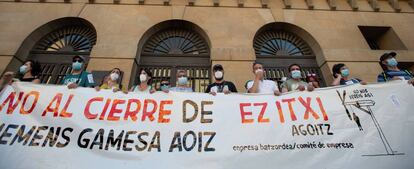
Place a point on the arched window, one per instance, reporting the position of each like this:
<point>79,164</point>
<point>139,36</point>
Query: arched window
<point>281,43</point>
<point>68,39</point>
<point>55,51</point>
<point>277,46</point>
<point>54,44</point>
<point>176,42</point>
<point>174,45</point>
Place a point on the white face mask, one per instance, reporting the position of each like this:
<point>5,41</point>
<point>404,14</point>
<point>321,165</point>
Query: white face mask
<point>182,80</point>
<point>258,70</point>
<point>218,75</point>
<point>142,77</point>
<point>114,76</point>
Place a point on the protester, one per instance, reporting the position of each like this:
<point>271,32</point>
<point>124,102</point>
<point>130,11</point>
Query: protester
<point>391,71</point>
<point>6,79</point>
<point>341,74</point>
<point>220,85</point>
<point>313,80</point>
<point>112,81</point>
<point>78,77</point>
<point>164,86</point>
<point>295,82</point>
<point>145,80</point>
<point>182,82</point>
<point>259,84</point>
<point>28,72</point>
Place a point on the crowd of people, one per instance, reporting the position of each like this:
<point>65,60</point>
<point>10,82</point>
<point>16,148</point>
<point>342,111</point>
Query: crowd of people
<point>79,77</point>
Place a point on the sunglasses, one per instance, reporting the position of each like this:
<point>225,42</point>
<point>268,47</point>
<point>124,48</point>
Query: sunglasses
<point>77,60</point>
<point>165,84</point>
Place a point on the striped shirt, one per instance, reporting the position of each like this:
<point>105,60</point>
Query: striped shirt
<point>389,74</point>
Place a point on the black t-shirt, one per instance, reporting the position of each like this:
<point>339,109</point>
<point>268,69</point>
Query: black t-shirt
<point>220,87</point>
<point>30,79</point>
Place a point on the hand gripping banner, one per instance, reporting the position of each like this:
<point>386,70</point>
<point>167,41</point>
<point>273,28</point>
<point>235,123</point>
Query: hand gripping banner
<point>357,126</point>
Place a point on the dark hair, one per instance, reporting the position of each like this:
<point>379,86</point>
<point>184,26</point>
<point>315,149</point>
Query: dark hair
<point>119,81</point>
<point>336,69</point>
<point>120,72</point>
<point>311,76</point>
<point>103,79</point>
<point>149,74</point>
<point>116,69</point>
<point>295,64</point>
<point>386,56</point>
<point>36,69</point>
<point>256,62</point>
<point>383,66</point>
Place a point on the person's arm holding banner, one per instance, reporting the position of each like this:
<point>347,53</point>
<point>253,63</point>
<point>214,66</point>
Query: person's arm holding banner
<point>6,79</point>
<point>258,77</point>
<point>411,81</point>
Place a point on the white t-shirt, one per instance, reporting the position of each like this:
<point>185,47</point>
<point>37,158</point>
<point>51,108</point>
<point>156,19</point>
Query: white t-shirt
<point>265,86</point>
<point>181,89</point>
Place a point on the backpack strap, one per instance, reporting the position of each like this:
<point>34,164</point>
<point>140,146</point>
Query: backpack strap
<point>409,73</point>
<point>384,75</point>
<point>245,85</point>
<point>79,79</point>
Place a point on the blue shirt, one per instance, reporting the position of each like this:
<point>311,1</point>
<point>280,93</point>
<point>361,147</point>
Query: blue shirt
<point>389,74</point>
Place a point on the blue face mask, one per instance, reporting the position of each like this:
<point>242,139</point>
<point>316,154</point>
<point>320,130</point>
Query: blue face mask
<point>182,80</point>
<point>23,69</point>
<point>392,62</point>
<point>164,87</point>
<point>76,65</point>
<point>345,73</point>
<point>296,74</point>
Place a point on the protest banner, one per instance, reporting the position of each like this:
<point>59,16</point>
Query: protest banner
<point>357,126</point>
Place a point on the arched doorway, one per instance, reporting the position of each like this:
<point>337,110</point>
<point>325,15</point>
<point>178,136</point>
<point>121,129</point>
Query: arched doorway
<point>54,44</point>
<point>278,45</point>
<point>174,45</point>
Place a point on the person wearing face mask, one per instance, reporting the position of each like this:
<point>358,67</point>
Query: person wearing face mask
<point>78,77</point>
<point>182,82</point>
<point>145,80</point>
<point>259,84</point>
<point>220,85</point>
<point>341,74</point>
<point>111,81</point>
<point>28,72</point>
<point>295,83</point>
<point>164,86</point>
<point>391,71</point>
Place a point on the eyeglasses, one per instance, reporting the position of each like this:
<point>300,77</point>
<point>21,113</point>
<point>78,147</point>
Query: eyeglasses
<point>313,74</point>
<point>165,84</point>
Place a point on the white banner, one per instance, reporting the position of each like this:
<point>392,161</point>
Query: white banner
<point>357,126</point>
